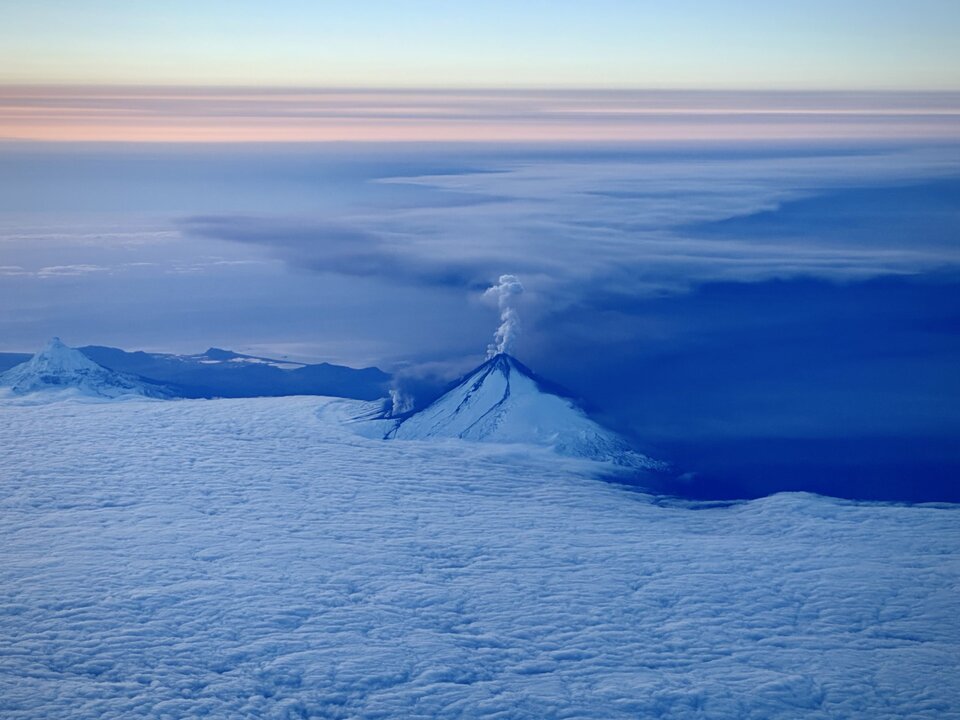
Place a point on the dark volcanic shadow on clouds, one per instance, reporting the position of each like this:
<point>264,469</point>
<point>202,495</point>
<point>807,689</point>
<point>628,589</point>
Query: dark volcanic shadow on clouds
<point>894,468</point>
<point>846,389</point>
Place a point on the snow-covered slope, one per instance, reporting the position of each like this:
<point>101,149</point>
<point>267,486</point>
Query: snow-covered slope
<point>61,368</point>
<point>503,401</point>
<point>255,558</point>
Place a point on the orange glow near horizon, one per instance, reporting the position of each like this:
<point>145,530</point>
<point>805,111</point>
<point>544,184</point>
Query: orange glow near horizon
<point>210,115</point>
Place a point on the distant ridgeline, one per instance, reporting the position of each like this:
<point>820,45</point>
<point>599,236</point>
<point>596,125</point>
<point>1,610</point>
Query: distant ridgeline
<point>222,373</point>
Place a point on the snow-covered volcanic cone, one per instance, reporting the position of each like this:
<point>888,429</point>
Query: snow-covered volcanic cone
<point>58,367</point>
<point>503,401</point>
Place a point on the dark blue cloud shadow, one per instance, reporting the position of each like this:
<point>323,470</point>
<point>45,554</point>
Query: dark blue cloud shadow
<point>896,217</point>
<point>849,390</point>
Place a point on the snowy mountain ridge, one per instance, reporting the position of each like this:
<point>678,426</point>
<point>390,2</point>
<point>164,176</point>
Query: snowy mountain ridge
<point>59,367</point>
<point>503,401</point>
<point>223,373</point>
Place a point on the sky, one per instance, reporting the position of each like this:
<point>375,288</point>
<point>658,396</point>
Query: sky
<point>703,44</point>
<point>736,223</point>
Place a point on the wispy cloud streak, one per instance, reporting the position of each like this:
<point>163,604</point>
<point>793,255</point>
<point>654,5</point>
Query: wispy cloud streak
<point>189,114</point>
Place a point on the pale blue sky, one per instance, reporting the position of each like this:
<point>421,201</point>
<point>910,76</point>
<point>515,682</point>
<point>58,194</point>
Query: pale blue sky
<point>857,44</point>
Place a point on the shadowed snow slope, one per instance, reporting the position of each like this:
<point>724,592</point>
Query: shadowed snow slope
<point>255,558</point>
<point>503,401</point>
<point>58,367</point>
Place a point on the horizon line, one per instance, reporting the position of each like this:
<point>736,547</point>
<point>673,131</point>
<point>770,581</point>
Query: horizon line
<point>480,87</point>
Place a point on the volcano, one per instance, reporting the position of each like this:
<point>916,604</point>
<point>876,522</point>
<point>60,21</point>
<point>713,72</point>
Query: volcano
<point>504,401</point>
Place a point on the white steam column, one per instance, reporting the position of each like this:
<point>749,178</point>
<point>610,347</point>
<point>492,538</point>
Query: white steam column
<point>506,293</point>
